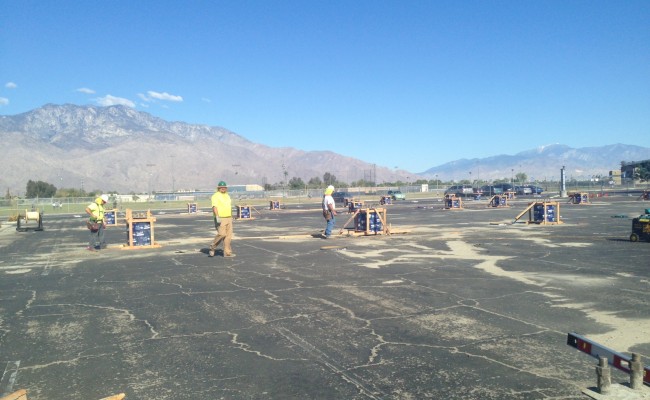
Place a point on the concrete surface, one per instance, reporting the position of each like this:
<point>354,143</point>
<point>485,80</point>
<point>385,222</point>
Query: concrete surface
<point>461,304</point>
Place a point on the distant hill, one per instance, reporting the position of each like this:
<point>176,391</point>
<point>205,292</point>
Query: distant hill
<point>542,163</point>
<point>119,148</point>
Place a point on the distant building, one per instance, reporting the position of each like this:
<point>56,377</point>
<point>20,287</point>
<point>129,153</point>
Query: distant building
<point>615,178</point>
<point>629,170</point>
<point>192,195</point>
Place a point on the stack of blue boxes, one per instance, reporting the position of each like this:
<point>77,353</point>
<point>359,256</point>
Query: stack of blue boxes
<point>371,218</point>
<point>541,209</point>
<point>453,202</point>
<point>141,233</point>
<point>244,212</point>
<point>354,206</point>
<point>109,217</point>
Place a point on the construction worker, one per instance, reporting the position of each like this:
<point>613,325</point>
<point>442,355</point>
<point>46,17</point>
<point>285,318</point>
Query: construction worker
<point>222,212</point>
<point>329,211</point>
<point>96,223</point>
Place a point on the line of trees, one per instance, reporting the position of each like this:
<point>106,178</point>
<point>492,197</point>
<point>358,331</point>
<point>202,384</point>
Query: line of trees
<point>41,189</point>
<point>36,189</point>
<point>296,183</point>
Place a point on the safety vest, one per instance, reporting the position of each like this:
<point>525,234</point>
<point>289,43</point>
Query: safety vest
<point>97,210</point>
<point>223,204</point>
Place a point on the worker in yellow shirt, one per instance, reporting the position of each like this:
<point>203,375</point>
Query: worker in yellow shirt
<point>222,211</point>
<point>96,223</point>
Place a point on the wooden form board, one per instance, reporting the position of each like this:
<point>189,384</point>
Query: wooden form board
<point>22,395</point>
<point>355,204</point>
<point>140,230</point>
<point>385,200</point>
<point>498,201</point>
<point>245,212</point>
<point>542,213</point>
<point>579,198</point>
<point>114,397</point>
<point>17,395</point>
<point>369,224</point>
<point>110,217</point>
<point>453,203</point>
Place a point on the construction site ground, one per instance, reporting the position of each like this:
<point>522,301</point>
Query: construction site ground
<point>454,304</point>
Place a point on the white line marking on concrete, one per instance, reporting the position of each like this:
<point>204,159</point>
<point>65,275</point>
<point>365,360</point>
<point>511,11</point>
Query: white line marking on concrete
<point>9,377</point>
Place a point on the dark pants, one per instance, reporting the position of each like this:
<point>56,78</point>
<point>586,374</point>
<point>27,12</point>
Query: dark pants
<point>97,238</point>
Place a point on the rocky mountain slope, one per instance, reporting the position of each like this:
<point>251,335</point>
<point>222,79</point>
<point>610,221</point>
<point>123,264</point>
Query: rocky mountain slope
<point>119,148</point>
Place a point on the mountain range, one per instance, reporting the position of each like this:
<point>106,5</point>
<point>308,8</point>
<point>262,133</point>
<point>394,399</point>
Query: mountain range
<point>119,148</point>
<point>543,163</point>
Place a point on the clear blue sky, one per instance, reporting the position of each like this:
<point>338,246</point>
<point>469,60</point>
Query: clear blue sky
<point>408,84</point>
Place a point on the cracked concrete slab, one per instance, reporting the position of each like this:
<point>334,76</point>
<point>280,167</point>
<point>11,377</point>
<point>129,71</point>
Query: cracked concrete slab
<point>457,307</point>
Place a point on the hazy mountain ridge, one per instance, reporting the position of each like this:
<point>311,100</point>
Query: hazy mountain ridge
<point>119,148</point>
<point>542,163</point>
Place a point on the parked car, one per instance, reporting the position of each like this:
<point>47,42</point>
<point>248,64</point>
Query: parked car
<point>535,189</point>
<point>396,195</point>
<point>342,197</point>
<point>523,190</point>
<point>505,187</point>
<point>460,190</point>
<point>491,190</point>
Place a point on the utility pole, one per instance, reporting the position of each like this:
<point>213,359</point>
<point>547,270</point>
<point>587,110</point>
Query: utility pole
<point>173,180</point>
<point>284,183</point>
<point>374,175</point>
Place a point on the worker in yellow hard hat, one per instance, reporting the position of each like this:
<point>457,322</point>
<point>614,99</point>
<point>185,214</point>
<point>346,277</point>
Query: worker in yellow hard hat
<point>222,212</point>
<point>329,211</point>
<point>96,223</point>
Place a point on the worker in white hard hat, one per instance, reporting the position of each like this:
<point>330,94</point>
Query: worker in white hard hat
<point>96,223</point>
<point>329,211</point>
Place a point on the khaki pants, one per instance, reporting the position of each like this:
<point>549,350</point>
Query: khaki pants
<point>224,233</point>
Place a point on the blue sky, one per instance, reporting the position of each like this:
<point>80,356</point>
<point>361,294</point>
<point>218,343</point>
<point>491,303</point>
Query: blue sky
<point>407,84</point>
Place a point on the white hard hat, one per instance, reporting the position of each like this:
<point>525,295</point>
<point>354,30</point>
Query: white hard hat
<point>104,197</point>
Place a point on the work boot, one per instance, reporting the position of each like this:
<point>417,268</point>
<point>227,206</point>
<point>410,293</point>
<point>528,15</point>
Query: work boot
<point>211,253</point>
<point>229,255</point>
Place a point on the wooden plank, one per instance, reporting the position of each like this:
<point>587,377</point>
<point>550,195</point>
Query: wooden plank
<point>114,397</point>
<point>530,206</point>
<point>17,395</point>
